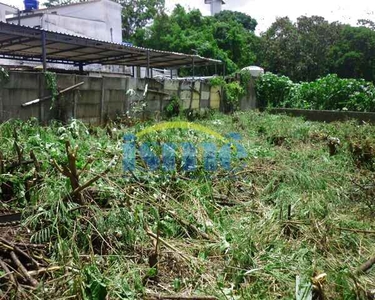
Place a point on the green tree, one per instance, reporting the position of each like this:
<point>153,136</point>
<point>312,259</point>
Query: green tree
<point>353,55</point>
<point>316,37</point>
<point>189,32</point>
<point>138,13</point>
<point>299,50</point>
<point>51,3</point>
<point>281,49</point>
<point>366,23</point>
<point>245,20</point>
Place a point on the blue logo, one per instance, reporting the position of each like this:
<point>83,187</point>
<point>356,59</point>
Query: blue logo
<point>156,156</point>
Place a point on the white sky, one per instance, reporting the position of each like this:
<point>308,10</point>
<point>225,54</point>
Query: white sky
<point>266,11</point>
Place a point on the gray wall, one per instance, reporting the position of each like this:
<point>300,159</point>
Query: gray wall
<point>99,99</point>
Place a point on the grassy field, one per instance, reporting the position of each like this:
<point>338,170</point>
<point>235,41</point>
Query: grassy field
<point>300,212</point>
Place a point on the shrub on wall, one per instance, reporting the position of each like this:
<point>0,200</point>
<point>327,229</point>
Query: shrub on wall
<point>330,92</point>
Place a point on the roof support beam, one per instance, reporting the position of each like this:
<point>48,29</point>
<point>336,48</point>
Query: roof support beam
<point>26,48</point>
<point>35,59</point>
<point>125,59</point>
<point>66,50</point>
<point>107,60</point>
<point>15,41</point>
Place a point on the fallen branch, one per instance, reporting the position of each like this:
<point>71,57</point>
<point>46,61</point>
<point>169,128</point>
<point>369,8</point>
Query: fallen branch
<point>333,227</point>
<point>182,221</point>
<point>96,178</point>
<point>154,236</point>
<point>8,272</point>
<point>23,270</point>
<point>178,297</point>
<point>19,251</point>
<point>36,101</point>
<point>36,163</point>
<point>356,230</point>
<point>366,266</point>
<point>45,270</point>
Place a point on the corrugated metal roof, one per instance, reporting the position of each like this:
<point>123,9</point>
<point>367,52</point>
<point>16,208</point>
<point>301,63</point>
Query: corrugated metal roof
<point>22,42</point>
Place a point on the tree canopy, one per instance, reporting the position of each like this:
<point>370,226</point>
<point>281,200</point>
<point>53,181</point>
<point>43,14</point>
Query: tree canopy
<point>228,36</point>
<point>312,48</point>
<point>51,3</point>
<point>299,50</point>
<point>138,13</point>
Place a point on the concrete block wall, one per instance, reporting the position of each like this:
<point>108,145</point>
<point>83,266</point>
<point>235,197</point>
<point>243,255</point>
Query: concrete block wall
<point>99,99</point>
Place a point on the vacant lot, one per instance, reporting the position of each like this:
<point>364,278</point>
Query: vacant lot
<point>299,212</point>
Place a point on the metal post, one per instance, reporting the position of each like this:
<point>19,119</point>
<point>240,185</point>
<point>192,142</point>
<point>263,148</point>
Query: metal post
<point>171,73</point>
<point>193,67</point>
<point>44,51</point>
<point>148,64</point>
<point>152,73</point>
<point>133,71</point>
<point>215,69</point>
<point>80,67</point>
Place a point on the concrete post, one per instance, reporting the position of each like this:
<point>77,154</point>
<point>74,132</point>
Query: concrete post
<point>249,101</point>
<point>75,99</point>
<point>41,94</point>
<point>102,101</point>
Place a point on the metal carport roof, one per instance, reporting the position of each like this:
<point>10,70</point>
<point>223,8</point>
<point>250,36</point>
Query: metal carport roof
<point>32,44</point>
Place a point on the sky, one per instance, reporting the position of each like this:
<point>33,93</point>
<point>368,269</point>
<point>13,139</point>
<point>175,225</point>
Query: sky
<point>266,11</point>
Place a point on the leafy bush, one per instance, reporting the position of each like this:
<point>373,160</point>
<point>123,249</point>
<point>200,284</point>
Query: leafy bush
<point>173,108</point>
<point>273,90</point>
<point>233,90</point>
<point>330,92</point>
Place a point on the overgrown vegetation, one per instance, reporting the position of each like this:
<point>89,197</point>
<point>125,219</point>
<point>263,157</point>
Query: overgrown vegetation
<point>330,93</point>
<point>173,109</point>
<point>234,87</point>
<point>294,212</point>
<point>4,75</point>
<point>51,82</point>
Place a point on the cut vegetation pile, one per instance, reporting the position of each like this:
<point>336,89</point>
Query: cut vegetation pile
<point>297,220</point>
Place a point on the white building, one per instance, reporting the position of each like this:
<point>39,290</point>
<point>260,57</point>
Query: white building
<point>216,6</point>
<point>6,10</point>
<point>98,19</point>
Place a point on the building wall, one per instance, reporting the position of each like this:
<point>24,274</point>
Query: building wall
<point>75,26</point>
<point>99,19</point>
<point>216,7</point>
<point>6,10</point>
